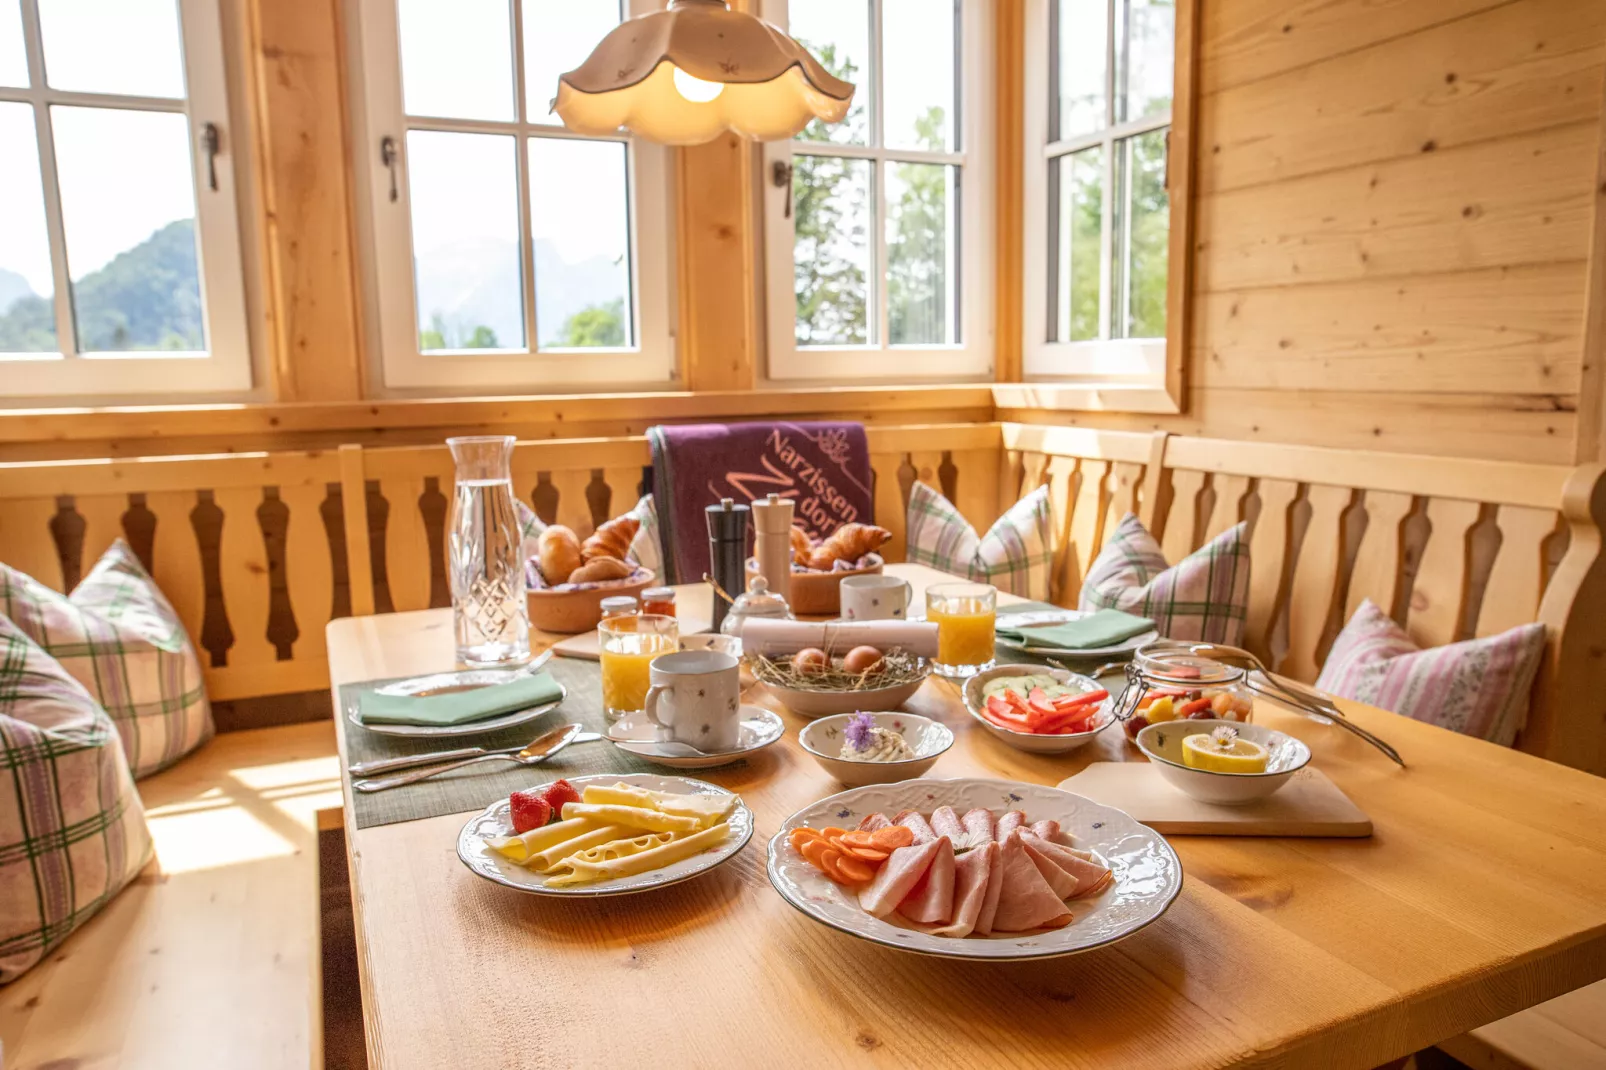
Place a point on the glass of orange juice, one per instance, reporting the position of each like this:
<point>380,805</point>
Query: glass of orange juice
<point>628,646</point>
<point>963,614</point>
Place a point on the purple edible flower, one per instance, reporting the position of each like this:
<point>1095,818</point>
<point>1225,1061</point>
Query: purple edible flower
<point>860,725</point>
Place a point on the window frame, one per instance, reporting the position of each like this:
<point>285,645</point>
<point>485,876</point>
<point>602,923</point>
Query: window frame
<point>1121,374</point>
<point>385,226</point>
<point>973,355</point>
<point>225,365</point>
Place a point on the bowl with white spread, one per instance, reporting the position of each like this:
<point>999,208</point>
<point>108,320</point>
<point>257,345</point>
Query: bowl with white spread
<point>876,748</point>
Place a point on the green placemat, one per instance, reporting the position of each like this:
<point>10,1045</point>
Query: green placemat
<point>478,786</point>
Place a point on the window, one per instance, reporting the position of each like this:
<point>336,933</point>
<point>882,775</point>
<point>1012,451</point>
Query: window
<point>877,229</point>
<point>508,252</point>
<point>1099,93</point>
<point>119,238</point>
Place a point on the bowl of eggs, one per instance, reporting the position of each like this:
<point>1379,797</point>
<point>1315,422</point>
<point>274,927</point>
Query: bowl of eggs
<point>821,683</point>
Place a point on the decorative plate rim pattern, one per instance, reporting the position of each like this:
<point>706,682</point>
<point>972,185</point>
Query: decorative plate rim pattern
<point>488,865</point>
<point>1138,854</point>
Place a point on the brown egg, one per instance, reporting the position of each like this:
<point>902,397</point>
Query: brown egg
<point>862,659</point>
<point>810,661</point>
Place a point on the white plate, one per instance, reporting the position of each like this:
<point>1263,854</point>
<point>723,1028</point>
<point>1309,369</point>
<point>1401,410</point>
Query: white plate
<point>1032,741</point>
<point>760,728</point>
<point>1061,616</point>
<point>494,821</point>
<point>458,678</point>
<point>1148,874</point>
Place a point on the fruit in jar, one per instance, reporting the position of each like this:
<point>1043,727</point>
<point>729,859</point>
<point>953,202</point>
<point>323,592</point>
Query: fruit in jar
<point>1162,709</point>
<point>862,659</point>
<point>810,661</point>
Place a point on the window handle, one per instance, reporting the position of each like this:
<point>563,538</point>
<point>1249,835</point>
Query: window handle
<point>211,144</point>
<point>781,175</point>
<point>387,156</point>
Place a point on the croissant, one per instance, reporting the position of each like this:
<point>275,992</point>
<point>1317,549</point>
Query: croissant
<point>847,543</point>
<point>611,539</point>
<point>558,553</point>
<point>802,546</point>
<point>600,569</point>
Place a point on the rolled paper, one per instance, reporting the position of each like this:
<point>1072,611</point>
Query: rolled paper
<point>771,636</point>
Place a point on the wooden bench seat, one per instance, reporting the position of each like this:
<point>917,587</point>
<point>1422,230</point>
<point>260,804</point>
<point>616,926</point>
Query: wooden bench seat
<point>1566,1033</point>
<point>211,958</point>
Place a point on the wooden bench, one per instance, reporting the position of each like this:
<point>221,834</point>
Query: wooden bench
<point>211,958</point>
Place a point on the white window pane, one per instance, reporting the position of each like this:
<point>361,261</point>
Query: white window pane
<point>837,33</point>
<point>1080,182</point>
<point>558,36</point>
<point>457,58</point>
<point>922,241</point>
<point>113,46</point>
<point>128,207</point>
<point>831,257</point>
<point>13,59</point>
<point>580,224</point>
<point>920,65</point>
<point>1082,46</point>
<point>1147,235</point>
<point>465,200</point>
<point>1146,56</point>
<point>27,316</point>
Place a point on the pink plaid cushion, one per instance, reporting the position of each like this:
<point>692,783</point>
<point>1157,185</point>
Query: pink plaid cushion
<point>1479,687</point>
<point>1205,596</point>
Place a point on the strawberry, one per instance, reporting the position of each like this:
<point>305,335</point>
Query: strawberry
<point>559,792</point>
<point>530,810</point>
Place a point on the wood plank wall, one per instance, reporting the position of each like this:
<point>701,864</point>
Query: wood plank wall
<point>1396,206</point>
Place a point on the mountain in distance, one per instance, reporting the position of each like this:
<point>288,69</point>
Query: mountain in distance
<point>13,287</point>
<point>476,283</point>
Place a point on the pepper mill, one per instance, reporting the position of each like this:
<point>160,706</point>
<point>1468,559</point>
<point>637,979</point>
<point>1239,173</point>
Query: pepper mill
<point>727,553</point>
<point>772,543</point>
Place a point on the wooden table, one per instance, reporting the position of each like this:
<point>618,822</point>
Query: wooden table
<point>1482,892</point>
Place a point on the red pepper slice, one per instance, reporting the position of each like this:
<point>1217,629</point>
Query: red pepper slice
<point>1192,707</point>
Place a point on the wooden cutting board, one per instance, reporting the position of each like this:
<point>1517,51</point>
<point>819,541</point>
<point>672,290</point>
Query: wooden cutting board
<point>1308,805</point>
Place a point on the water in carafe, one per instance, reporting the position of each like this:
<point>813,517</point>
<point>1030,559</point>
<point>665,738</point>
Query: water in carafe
<point>485,562</point>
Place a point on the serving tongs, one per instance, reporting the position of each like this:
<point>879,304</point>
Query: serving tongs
<point>1263,681</point>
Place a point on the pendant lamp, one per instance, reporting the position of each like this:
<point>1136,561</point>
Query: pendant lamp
<point>684,75</point>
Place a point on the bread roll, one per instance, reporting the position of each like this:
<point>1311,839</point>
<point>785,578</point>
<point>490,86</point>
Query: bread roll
<point>558,554</point>
<point>600,570</point>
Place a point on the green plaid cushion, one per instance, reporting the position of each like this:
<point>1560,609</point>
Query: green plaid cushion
<point>1205,597</point>
<point>72,831</point>
<point>1016,555</point>
<point>121,639</point>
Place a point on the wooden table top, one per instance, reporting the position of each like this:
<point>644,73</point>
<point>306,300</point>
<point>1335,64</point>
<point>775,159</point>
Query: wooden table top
<point>1482,892</point>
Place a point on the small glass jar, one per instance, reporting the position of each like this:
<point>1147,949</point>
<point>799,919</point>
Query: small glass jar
<point>660,600</point>
<point>619,605</point>
<point>1167,681</point>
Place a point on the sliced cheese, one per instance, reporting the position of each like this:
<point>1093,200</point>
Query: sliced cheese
<point>636,817</point>
<point>544,861</point>
<point>706,808</point>
<point>520,847</point>
<point>626,858</point>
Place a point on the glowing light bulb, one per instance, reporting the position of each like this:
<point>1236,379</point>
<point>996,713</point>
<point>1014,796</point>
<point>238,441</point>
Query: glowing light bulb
<point>696,89</point>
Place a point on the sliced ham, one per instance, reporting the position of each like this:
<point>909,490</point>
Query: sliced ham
<point>874,821</point>
<point>1083,876</point>
<point>931,900</point>
<point>897,876</point>
<point>1047,828</point>
<point>972,876</point>
<point>1026,901</point>
<point>916,823</point>
<point>989,902</point>
<point>979,823</point>
<point>1007,824</point>
<point>944,822</point>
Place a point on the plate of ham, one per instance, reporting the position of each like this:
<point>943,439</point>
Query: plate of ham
<point>975,869</point>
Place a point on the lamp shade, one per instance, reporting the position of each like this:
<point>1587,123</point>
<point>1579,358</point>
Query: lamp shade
<point>684,75</point>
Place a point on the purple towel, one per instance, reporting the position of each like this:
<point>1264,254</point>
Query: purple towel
<point>823,467</point>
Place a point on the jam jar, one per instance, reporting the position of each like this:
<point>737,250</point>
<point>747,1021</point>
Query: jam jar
<point>1167,681</point>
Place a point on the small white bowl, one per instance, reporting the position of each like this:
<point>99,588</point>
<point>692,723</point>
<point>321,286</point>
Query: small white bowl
<point>927,738</point>
<point>1162,744</point>
<point>1032,741</point>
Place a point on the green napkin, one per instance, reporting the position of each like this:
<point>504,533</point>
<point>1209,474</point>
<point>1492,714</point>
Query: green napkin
<point>459,707</point>
<point>1103,628</point>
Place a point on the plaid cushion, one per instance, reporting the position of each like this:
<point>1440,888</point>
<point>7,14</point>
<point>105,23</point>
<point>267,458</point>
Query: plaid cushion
<point>121,639</point>
<point>1205,597</point>
<point>1479,687</point>
<point>72,831</point>
<point>1016,554</point>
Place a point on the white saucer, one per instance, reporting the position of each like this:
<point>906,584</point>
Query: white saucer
<point>760,728</point>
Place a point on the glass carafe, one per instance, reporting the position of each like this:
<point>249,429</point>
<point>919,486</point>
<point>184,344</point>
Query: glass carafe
<point>484,559</point>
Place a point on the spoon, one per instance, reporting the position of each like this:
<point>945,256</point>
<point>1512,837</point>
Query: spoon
<point>375,766</point>
<point>539,750</point>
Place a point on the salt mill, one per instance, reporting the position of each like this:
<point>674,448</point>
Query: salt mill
<point>727,552</point>
<point>772,543</point>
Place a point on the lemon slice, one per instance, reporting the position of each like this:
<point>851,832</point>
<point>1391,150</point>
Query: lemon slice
<point>1221,752</point>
